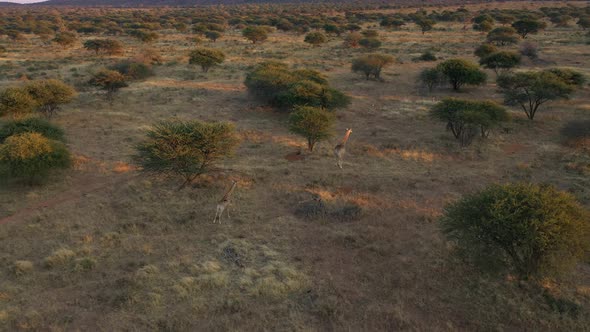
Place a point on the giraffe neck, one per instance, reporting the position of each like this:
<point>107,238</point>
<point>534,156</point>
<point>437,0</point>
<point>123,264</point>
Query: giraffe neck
<point>345,138</point>
<point>229,192</point>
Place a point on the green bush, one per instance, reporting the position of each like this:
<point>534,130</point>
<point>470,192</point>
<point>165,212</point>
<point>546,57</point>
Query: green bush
<point>315,124</point>
<point>431,78</point>
<point>464,118</point>
<point>30,125</point>
<point>484,50</point>
<point>31,156</point>
<point>503,36</point>
<point>315,38</point>
<point>50,94</point>
<point>109,80</point>
<point>275,83</point>
<point>460,72</point>
<point>206,58</point>
<point>372,64</point>
<point>185,148</point>
<point>255,34</point>
<point>526,229</point>
<point>16,102</point>
<point>427,56</point>
<point>370,43</point>
<point>577,134</point>
<point>133,70</point>
<point>500,61</point>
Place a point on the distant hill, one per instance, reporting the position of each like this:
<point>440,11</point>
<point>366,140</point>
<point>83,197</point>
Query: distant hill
<point>155,3</point>
<point>9,4</point>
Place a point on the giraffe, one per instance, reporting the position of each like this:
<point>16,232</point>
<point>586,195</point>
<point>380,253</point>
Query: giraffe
<point>223,204</point>
<point>340,149</point>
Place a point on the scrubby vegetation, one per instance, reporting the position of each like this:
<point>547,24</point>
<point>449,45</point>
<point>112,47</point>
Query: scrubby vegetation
<point>106,208</point>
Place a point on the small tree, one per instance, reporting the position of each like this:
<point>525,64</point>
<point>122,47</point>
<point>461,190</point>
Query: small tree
<point>370,43</point>
<point>30,125</point>
<point>532,89</point>
<point>50,94</point>
<point>425,24</point>
<point>370,33</point>
<point>255,34</point>
<point>464,118</point>
<point>431,77</point>
<point>569,76</point>
<point>16,102</point>
<point>483,23</point>
<point>65,39</point>
<point>107,46</point>
<point>529,50</point>
<point>526,229</point>
<point>133,70</point>
<point>528,26</point>
<point>500,61</point>
<point>206,58</point>
<point>502,36</point>
<point>144,35</point>
<point>484,50</point>
<point>372,64</point>
<point>110,81</point>
<point>213,35</point>
<point>313,123</point>
<point>315,38</point>
<point>352,39</point>
<point>460,72</point>
<point>31,156</point>
<point>185,148</point>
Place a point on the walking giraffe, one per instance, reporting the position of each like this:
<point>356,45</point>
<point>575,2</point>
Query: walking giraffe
<point>340,149</point>
<point>223,204</point>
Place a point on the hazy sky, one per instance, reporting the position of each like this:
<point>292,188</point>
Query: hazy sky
<point>21,1</point>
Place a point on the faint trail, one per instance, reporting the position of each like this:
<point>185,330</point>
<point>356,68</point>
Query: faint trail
<point>66,196</point>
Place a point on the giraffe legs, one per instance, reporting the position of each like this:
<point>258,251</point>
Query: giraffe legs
<point>218,213</point>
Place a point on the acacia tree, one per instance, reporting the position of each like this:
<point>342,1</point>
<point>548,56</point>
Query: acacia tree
<point>313,123</point>
<point>212,35</point>
<point>315,38</point>
<point>65,39</point>
<point>50,94</point>
<point>107,46</point>
<point>16,102</point>
<point>206,58</point>
<point>425,24</point>
<point>500,61</point>
<point>484,50</point>
<point>460,72</point>
<point>255,34</point>
<point>528,26</point>
<point>185,148</point>
<point>352,39</point>
<point>502,36</point>
<point>431,77</point>
<point>372,64</point>
<point>110,81</point>
<point>526,229</point>
<point>465,118</point>
<point>532,89</point>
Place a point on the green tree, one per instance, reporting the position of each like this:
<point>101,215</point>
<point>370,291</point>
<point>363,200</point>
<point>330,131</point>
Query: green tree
<point>255,34</point>
<point>30,125</point>
<point>425,24</point>
<point>16,102</point>
<point>528,26</point>
<point>526,229</point>
<point>460,72</point>
<point>144,35</point>
<point>484,50</point>
<point>370,43</point>
<point>532,89</point>
<point>65,39</point>
<point>372,64</point>
<point>313,123</point>
<point>502,36</point>
<point>206,58</point>
<point>500,61</point>
<point>31,156</point>
<point>107,46</point>
<point>315,38</point>
<point>109,80</point>
<point>431,77</point>
<point>464,118</point>
<point>185,148</point>
<point>213,35</point>
<point>352,39</point>
<point>50,94</point>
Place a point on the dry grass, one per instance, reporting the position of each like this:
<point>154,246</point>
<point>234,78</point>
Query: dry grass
<point>106,248</point>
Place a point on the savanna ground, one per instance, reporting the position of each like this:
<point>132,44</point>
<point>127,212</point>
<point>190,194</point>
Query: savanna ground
<point>112,249</point>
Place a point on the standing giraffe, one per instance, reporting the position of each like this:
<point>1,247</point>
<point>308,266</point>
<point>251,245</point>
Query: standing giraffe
<point>223,204</point>
<point>340,149</point>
